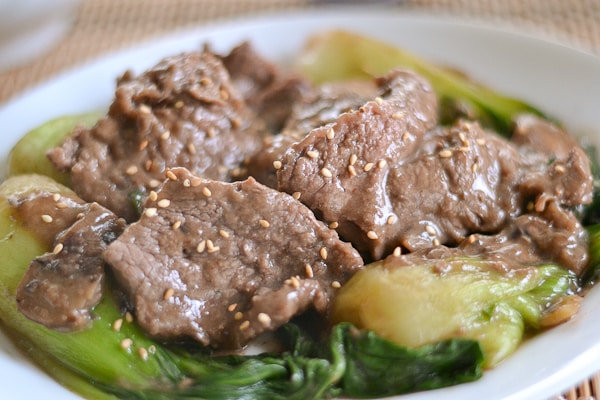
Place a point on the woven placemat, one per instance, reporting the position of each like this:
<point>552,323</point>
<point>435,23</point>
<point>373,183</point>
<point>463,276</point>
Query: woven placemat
<point>102,26</point>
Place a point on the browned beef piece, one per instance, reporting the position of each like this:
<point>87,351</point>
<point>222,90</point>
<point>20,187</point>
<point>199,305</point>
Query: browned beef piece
<point>222,262</point>
<point>267,88</point>
<point>388,179</point>
<point>316,108</point>
<point>340,169</point>
<point>565,175</point>
<point>535,238</point>
<point>185,111</point>
<point>61,287</point>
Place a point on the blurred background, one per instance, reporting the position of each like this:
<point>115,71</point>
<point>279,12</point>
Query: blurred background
<point>40,38</point>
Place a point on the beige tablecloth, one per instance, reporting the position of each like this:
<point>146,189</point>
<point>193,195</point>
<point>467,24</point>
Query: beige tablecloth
<point>102,26</point>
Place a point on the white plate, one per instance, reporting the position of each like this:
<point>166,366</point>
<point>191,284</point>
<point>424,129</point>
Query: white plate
<point>563,82</point>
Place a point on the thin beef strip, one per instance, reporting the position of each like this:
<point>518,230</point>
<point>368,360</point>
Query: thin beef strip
<point>223,262</point>
<point>267,89</point>
<point>61,287</point>
<point>182,112</point>
<point>316,108</point>
<point>339,170</point>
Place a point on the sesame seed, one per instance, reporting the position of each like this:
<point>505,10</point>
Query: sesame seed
<point>150,212</point>
<point>61,205</point>
<point>178,104</point>
<point>351,170</point>
<point>475,167</point>
<point>176,225</point>
<point>47,218</point>
<point>323,253</point>
<point>238,316</point>
<point>296,195</point>
<point>397,251</point>
<point>236,123</point>
<point>232,307</point>
<point>326,172</point>
<point>381,163</point>
<point>224,234</point>
<point>117,324</point>
<point>445,153</point>
<point>336,285</point>
<point>79,216</point>
<point>481,141</point>
<point>330,134</point>
<point>148,165</point>
<point>164,203</point>
<point>436,242</point>
<point>405,136</point>
<point>391,219</point>
<point>264,223</point>
<point>56,197</point>
<point>224,94</point>
<point>143,353</point>
<point>165,135</point>
<point>334,225</point>
<point>264,319</point>
<point>152,196</point>
<point>397,115</point>
<point>559,168</point>
<point>206,191</point>
<point>126,343</point>
<point>353,159</point>
<point>143,145</point>
<point>244,325</point>
<point>368,167</point>
<point>195,182</point>
<point>294,282</point>
<point>191,148</point>
<point>57,249</point>
<point>372,235</point>
<point>309,271</point>
<point>171,175</point>
<point>154,183</point>
<point>201,246</point>
<point>145,109</point>
<point>128,317</point>
<point>312,154</point>
<point>430,229</point>
<point>210,247</point>
<point>463,138</point>
<point>378,100</point>
<point>205,81</point>
<point>464,149</point>
<point>168,293</point>
<point>277,164</point>
<point>471,239</point>
<point>211,132</point>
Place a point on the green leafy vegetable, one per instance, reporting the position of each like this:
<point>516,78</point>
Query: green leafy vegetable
<point>467,297</point>
<point>94,363</point>
<point>340,55</point>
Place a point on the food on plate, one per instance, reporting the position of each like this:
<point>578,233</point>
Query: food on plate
<point>392,225</point>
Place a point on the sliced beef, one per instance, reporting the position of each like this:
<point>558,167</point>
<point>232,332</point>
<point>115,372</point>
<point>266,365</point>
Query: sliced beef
<point>316,108</point>
<point>340,169</point>
<point>60,288</point>
<point>267,88</point>
<point>222,262</point>
<point>566,174</point>
<point>185,111</point>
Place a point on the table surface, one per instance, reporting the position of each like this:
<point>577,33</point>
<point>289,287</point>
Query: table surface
<point>103,26</point>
